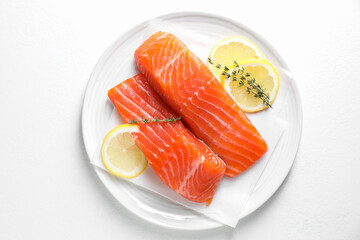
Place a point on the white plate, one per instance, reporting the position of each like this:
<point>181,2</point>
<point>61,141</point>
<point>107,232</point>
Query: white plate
<point>114,66</point>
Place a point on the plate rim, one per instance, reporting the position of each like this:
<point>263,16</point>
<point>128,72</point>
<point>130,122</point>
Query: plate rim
<point>247,210</point>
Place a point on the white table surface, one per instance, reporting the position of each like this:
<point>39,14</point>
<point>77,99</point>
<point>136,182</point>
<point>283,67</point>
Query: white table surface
<point>48,190</point>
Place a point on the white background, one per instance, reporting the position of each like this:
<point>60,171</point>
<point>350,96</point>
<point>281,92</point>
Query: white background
<point>48,190</point>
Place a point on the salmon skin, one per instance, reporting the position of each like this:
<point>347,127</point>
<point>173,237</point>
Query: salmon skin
<point>178,158</point>
<point>185,83</point>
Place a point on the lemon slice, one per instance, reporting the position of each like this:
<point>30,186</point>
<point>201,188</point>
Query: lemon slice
<point>264,74</point>
<point>232,49</point>
<point>120,154</point>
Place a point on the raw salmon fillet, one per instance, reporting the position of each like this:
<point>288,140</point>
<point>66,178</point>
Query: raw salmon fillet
<point>184,83</point>
<point>180,160</point>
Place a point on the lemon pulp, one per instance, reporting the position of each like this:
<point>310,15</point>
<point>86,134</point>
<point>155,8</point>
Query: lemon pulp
<point>232,49</point>
<point>264,74</point>
<point>119,153</point>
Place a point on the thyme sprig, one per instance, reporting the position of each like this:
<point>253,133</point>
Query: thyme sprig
<point>155,120</point>
<point>238,74</point>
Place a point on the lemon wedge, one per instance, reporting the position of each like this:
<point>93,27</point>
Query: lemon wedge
<point>264,74</point>
<point>232,49</point>
<point>120,154</point>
